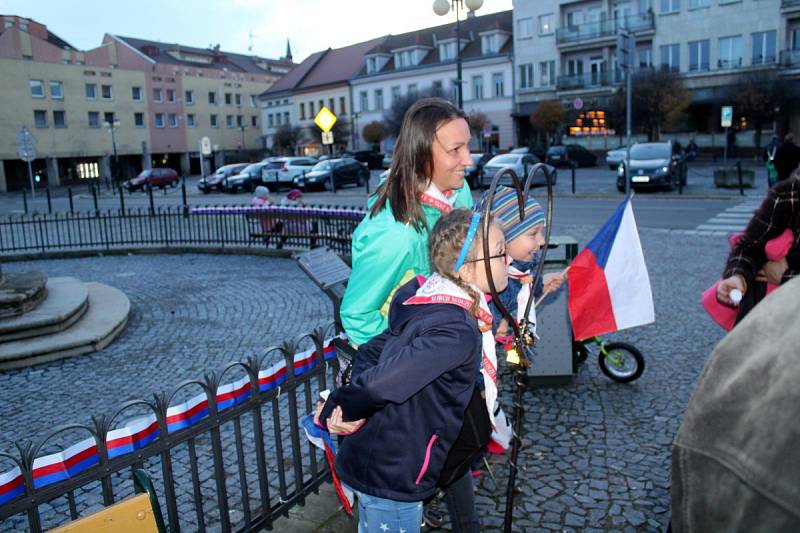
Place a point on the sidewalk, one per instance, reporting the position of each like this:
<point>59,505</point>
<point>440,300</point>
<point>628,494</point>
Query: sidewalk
<point>322,512</point>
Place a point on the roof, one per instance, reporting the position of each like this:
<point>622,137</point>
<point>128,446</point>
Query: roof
<point>159,52</point>
<point>334,65</point>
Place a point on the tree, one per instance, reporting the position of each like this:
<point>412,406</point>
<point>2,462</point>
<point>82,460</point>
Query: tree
<point>759,96</point>
<point>548,117</point>
<point>659,101</point>
<point>477,123</point>
<point>374,133</point>
<point>286,138</point>
<point>394,117</point>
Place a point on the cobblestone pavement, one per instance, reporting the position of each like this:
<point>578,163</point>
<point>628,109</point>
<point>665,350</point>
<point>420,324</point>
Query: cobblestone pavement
<point>596,453</point>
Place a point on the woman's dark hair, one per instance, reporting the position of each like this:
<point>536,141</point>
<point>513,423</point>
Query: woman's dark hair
<point>412,162</point>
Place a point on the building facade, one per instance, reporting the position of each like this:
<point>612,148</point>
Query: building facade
<point>126,105</point>
<point>566,50</point>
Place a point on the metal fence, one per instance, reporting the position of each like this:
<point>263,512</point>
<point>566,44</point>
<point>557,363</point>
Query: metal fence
<point>226,452</point>
<point>180,226</point>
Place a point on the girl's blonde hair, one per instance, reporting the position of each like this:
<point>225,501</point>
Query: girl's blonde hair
<point>444,247</point>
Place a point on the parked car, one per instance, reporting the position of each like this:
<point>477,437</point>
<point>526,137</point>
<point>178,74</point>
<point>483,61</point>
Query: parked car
<point>655,164</point>
<point>520,164</point>
<point>153,177</point>
<point>539,152</point>
<point>374,160</point>
<point>214,182</point>
<point>247,179</point>
<point>282,171</point>
<point>566,154</point>
<point>345,171</point>
<point>475,176</point>
<point>616,156</point>
<point>387,159</point>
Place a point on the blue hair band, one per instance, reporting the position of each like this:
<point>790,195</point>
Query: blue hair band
<point>473,229</point>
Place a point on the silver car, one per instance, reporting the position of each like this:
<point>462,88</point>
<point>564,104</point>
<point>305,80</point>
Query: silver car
<point>282,171</point>
<point>615,157</point>
<point>520,164</point>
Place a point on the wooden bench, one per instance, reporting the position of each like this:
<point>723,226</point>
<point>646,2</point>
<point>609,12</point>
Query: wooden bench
<point>283,227</point>
<point>140,513</point>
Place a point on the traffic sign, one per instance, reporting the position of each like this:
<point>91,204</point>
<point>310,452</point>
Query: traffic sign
<point>327,137</point>
<point>325,119</point>
<point>727,116</point>
<point>25,138</point>
<point>625,46</point>
<point>26,154</point>
<point>205,146</point>
<point>577,103</point>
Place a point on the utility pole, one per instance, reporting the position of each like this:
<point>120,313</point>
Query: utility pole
<point>625,47</point>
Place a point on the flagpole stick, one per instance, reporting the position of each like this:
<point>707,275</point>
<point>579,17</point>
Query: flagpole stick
<point>548,291</point>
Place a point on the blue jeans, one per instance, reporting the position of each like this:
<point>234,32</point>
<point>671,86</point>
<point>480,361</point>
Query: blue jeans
<point>379,515</point>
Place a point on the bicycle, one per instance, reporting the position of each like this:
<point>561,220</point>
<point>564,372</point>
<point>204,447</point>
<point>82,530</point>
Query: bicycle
<point>620,361</point>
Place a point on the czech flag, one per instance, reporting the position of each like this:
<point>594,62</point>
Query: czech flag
<point>609,288</point>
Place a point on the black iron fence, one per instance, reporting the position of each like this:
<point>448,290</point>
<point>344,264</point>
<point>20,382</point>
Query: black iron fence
<point>180,226</point>
<point>226,452</point>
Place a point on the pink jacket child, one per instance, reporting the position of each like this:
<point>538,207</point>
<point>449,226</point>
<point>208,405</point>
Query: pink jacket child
<point>725,316</point>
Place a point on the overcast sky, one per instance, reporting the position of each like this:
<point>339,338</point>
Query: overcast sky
<point>310,25</point>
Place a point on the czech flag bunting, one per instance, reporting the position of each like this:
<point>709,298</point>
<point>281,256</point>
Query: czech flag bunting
<point>609,288</point>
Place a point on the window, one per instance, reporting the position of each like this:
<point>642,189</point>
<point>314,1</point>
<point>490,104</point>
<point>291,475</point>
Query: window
<point>252,100</point>
<point>136,94</point>
<point>106,92</point>
<point>437,89</point>
<point>94,119</point>
<point>363,104</point>
<point>489,44</point>
<point>91,91</point>
<point>670,57</point>
<point>311,113</point>
<point>190,120</point>
<point>330,105</point>
<point>302,111</point>
<point>526,76</point>
<point>238,99</point>
<point>670,6</point>
<point>228,99</point>
<point>697,4</point>
<point>447,51</point>
<point>342,108</point>
<point>212,119</point>
<point>171,95</point>
<point>497,83</point>
<point>59,119</point>
<point>372,65</point>
<point>37,88</point>
<point>547,74</point>
<point>730,52</point>
<point>286,117</point>
<point>212,98</point>
<point>188,97</point>
<point>56,90</point>
<point>239,121</point>
<point>158,95</point>
<point>547,24</point>
<point>138,120</point>
<point>698,55</point>
<point>574,67</point>
<point>454,90</point>
<point>395,94</point>
<point>159,120</point>
<point>40,118</point>
<point>321,104</point>
<point>525,28</point>
<point>378,99</point>
<point>108,118</point>
<point>644,57</point>
<point>254,121</point>
<point>270,120</point>
<point>477,87</point>
<point>229,121</point>
<point>412,90</point>
<point>764,47</point>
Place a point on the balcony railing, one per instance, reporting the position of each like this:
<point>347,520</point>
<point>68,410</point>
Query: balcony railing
<point>790,58</point>
<point>729,63</point>
<point>604,28</point>
<point>790,3</point>
<point>584,81</point>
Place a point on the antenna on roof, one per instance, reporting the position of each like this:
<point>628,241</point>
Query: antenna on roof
<point>250,35</point>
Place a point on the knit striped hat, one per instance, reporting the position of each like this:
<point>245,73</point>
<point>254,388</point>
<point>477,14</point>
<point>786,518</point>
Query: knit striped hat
<point>506,212</point>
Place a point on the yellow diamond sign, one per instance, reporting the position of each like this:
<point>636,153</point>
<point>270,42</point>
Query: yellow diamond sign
<point>325,119</point>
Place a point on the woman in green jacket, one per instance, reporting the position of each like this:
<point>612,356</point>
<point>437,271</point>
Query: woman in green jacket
<point>390,245</point>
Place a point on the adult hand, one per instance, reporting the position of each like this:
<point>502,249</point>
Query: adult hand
<point>772,271</point>
<point>337,426</point>
<point>726,286</point>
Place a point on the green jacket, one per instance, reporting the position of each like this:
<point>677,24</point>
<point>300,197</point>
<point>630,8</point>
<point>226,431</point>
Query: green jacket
<point>385,254</point>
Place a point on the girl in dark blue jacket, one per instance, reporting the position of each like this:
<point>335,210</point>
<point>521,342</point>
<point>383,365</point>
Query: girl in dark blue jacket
<point>413,382</point>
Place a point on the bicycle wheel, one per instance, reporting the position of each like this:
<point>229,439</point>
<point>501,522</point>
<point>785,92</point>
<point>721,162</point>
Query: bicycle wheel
<point>621,362</point>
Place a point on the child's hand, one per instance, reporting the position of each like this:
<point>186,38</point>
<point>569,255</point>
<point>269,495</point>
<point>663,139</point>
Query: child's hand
<point>553,281</point>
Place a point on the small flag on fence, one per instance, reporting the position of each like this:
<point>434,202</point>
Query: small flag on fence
<point>609,288</point>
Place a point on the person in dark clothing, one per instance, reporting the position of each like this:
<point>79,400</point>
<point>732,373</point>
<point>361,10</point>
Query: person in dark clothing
<point>747,268</point>
<point>787,158</point>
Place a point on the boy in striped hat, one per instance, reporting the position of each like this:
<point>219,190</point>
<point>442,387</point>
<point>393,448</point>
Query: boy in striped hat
<point>523,239</point>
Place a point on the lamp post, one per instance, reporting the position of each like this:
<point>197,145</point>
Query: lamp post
<point>242,128</point>
<point>112,128</point>
<point>355,116</point>
<point>441,8</point>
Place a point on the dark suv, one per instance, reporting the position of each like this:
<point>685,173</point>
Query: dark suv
<point>153,177</point>
<point>565,155</point>
<point>374,160</point>
<point>345,171</point>
<point>216,181</point>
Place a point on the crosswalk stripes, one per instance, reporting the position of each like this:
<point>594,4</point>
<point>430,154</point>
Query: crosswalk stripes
<point>731,220</point>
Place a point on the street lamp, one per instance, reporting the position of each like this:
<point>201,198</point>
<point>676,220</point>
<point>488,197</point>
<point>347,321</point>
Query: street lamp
<point>112,127</point>
<point>441,8</point>
<point>355,115</point>
<point>242,128</point>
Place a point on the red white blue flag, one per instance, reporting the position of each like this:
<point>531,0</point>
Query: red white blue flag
<point>609,288</point>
